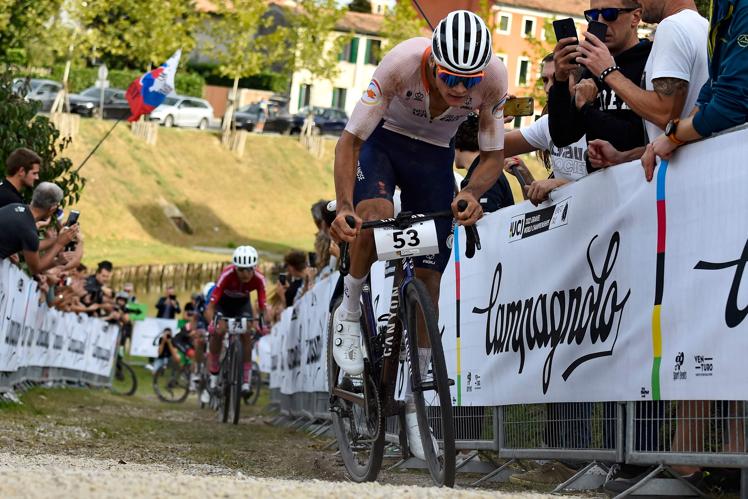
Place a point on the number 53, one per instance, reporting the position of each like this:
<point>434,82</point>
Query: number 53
<point>399,237</point>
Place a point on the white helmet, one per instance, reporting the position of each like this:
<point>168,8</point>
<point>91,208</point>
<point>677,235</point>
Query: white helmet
<point>245,257</point>
<point>208,289</point>
<point>462,43</point>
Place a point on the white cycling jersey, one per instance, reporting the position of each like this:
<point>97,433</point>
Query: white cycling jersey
<point>399,94</point>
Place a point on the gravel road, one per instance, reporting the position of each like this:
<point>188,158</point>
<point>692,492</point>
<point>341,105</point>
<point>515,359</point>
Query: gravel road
<point>48,476</point>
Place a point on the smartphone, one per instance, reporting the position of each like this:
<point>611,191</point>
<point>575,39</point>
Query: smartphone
<point>312,259</point>
<point>565,28</point>
<point>282,278</point>
<point>519,106</point>
<point>72,218</point>
<point>598,29</point>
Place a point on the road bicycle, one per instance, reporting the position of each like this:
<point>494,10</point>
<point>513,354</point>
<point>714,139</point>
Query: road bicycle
<point>360,404</point>
<point>227,396</point>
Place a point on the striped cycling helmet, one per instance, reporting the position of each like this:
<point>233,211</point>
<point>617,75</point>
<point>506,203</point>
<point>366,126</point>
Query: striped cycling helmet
<point>462,43</point>
<point>245,257</point>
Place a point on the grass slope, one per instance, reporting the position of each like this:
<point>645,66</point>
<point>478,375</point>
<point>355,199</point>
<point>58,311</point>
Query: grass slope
<point>262,198</point>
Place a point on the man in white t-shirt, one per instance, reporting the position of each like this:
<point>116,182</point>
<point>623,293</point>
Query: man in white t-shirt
<point>566,163</point>
<point>674,74</point>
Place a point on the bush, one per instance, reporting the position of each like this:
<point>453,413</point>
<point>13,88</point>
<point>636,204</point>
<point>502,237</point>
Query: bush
<point>21,127</point>
<point>274,82</point>
<point>187,83</point>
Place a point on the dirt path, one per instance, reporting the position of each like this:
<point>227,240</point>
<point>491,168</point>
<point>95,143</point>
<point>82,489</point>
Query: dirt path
<point>89,443</point>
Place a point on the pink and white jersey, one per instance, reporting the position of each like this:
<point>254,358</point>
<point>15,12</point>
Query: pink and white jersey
<point>399,94</point>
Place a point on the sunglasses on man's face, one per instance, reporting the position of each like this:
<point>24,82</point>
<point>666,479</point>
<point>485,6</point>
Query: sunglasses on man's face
<point>609,14</point>
<point>453,79</point>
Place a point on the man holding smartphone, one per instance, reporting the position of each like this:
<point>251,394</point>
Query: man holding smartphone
<point>675,72</point>
<point>589,106</point>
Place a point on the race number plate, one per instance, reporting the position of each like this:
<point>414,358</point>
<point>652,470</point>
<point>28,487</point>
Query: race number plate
<point>417,240</point>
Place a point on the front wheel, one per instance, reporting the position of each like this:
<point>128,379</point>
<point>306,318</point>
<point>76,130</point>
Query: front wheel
<point>358,427</point>
<point>169,121</point>
<point>203,125</point>
<point>171,383</point>
<point>430,383</point>
<point>235,377</point>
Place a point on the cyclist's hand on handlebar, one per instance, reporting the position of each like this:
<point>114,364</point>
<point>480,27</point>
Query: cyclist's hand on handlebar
<point>470,214</point>
<point>341,231</point>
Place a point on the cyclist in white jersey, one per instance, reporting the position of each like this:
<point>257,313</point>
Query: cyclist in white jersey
<point>401,134</point>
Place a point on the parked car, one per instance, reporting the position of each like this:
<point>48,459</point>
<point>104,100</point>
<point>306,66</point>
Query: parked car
<point>34,89</point>
<point>180,110</point>
<point>246,117</point>
<point>327,120</point>
<point>88,101</point>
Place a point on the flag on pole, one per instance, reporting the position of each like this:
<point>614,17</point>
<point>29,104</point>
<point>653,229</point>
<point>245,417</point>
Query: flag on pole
<point>147,92</point>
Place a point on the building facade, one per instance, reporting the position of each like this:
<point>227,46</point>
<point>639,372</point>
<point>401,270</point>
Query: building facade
<point>356,66</point>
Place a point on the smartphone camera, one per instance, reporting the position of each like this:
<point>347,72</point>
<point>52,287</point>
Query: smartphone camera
<point>282,278</point>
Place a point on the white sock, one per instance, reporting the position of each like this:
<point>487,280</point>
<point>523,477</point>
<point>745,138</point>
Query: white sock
<point>351,305</point>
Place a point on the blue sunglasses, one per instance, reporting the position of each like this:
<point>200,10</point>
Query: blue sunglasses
<point>610,14</point>
<point>453,79</point>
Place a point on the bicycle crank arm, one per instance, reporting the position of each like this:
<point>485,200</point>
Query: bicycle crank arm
<point>356,398</point>
<point>430,385</point>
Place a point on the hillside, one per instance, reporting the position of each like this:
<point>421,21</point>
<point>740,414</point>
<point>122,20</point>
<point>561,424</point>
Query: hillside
<point>261,199</point>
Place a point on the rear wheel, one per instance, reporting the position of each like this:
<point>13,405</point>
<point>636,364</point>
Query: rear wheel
<point>359,428</point>
<point>124,381</point>
<point>430,384</point>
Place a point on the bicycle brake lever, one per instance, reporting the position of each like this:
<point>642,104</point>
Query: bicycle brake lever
<point>345,258</point>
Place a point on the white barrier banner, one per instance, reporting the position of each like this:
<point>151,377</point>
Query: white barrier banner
<point>615,289</point>
<point>146,335</point>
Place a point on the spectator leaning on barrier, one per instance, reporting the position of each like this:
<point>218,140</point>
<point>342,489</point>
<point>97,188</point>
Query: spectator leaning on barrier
<point>21,171</point>
<point>467,156</point>
<point>168,306</point>
<point>591,107</point>
<point>18,231</point>
<point>97,287</point>
<point>299,276</point>
<point>723,101</point>
<point>676,71</point>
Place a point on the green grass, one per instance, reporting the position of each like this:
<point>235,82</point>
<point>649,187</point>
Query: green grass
<point>262,198</point>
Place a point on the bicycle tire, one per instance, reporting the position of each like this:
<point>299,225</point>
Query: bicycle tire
<point>124,381</point>
<point>368,470</point>
<point>236,375</point>
<point>436,393</point>
<point>171,383</point>
<point>255,383</point>
<point>224,385</point>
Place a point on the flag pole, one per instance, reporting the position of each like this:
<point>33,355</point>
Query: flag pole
<point>99,143</point>
<point>423,14</point>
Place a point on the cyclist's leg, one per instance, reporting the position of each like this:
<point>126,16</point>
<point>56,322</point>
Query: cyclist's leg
<point>375,187</point>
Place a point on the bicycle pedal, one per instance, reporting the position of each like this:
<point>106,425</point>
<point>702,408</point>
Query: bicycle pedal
<point>450,382</point>
<point>425,386</point>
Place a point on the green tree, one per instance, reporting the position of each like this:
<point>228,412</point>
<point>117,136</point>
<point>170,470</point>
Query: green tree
<point>312,35</point>
<point>25,28</point>
<point>137,33</point>
<point>400,24</point>
<point>360,6</point>
<point>20,126</point>
<point>703,6</point>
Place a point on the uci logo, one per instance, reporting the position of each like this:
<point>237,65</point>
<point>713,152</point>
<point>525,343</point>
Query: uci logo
<point>516,228</point>
<point>743,40</point>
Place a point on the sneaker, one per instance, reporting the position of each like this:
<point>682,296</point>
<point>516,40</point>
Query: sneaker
<point>213,381</point>
<point>194,378</point>
<point>346,343</point>
<point>414,434</point>
<point>246,390</point>
<point>205,397</point>
<point>551,473</point>
<point>149,367</point>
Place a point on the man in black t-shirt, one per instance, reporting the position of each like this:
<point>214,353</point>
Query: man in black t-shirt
<point>18,228</point>
<point>21,171</point>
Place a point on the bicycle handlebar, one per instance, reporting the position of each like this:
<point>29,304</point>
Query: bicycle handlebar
<point>404,220</point>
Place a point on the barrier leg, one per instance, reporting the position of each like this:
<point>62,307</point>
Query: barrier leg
<point>743,483</point>
<point>472,455</point>
<point>590,477</point>
<point>649,485</point>
<point>501,469</point>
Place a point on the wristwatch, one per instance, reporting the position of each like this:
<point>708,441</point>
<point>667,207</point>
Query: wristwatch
<point>670,131</point>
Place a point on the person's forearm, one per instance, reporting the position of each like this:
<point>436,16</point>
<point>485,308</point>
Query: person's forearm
<point>346,155</point>
<point>650,105</point>
<point>516,144</point>
<point>47,260</point>
<point>630,155</point>
<point>45,244</point>
<point>486,174</point>
<point>685,131</point>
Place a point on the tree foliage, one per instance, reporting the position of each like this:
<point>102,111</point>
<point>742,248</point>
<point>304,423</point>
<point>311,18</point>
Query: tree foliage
<point>360,6</point>
<point>310,25</point>
<point>703,6</point>
<point>20,126</point>
<point>27,28</point>
<point>136,33</point>
<point>400,24</point>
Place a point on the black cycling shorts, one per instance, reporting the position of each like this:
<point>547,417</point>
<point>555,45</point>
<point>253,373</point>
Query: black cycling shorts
<point>231,308</point>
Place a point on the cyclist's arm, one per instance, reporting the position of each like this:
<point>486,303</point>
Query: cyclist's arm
<point>487,173</point>
<point>346,159</point>
<point>210,311</point>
